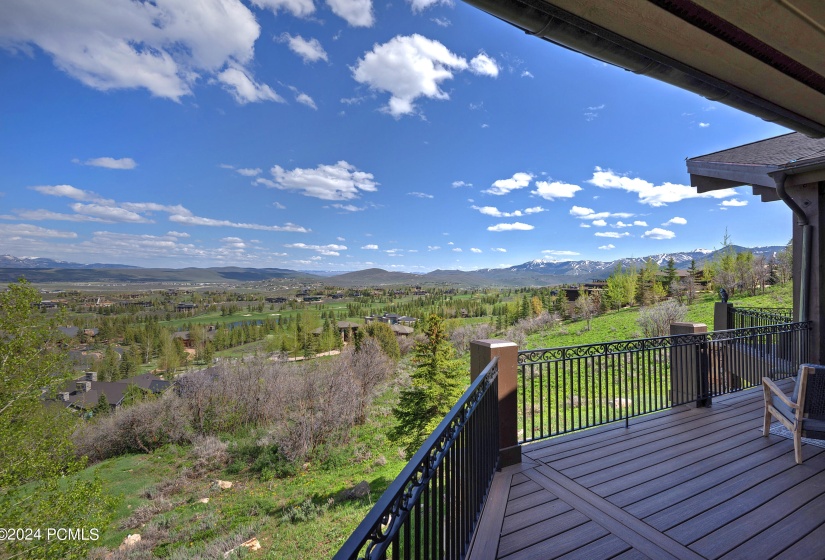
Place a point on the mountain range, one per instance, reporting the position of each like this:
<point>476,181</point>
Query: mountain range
<point>531,273</point>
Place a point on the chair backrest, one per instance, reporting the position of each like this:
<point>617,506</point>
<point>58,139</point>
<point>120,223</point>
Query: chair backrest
<point>812,382</point>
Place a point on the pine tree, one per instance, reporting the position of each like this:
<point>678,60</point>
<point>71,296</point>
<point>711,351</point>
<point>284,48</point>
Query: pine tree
<point>437,383</point>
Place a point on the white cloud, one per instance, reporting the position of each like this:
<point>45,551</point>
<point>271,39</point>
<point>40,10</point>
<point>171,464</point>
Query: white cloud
<point>516,226</point>
<point>457,184</point>
<point>298,8</point>
<point>675,221</point>
<point>560,253</point>
<point>310,50</point>
<point>499,249</point>
<point>592,113</point>
<point>496,213</point>
<point>349,207</point>
<point>305,99</point>
<point>735,202</point>
<point>586,225</point>
<point>640,223</point>
<point>607,247</point>
<point>599,223</point>
<point>611,234</point>
<point>331,250</point>
<point>457,250</point>
<point>408,67</point>
<point>67,191</point>
<point>38,215</point>
<point>357,13</point>
<point>433,247</point>
<point>110,163</point>
<point>475,250</point>
<point>164,47</point>
<point>589,214</point>
<point>248,172</point>
<point>442,22</point>
<point>177,234</point>
<point>28,230</point>
<point>420,195</point>
<point>659,233</point>
<point>109,213</point>
<point>200,221</point>
<point>483,65</point>
<point>421,5</point>
<point>370,247</point>
<point>244,88</point>
<point>704,125</point>
<point>504,186</point>
<point>341,181</point>
<point>554,190</point>
<point>648,193</point>
<point>527,74</point>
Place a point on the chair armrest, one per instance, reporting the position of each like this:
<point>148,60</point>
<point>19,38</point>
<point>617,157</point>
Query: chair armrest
<point>770,385</point>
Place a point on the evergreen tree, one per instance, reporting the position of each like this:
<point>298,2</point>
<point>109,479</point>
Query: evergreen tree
<point>670,275</point>
<point>437,383</point>
<point>384,335</point>
<point>102,406</point>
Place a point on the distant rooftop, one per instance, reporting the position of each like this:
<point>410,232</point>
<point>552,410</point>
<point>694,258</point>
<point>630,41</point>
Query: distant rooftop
<point>793,148</point>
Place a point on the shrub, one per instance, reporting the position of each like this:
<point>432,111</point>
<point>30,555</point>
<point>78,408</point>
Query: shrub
<point>656,319</point>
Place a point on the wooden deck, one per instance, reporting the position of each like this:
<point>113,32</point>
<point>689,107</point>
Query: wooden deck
<point>685,483</point>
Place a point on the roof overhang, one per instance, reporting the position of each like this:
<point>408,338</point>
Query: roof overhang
<point>763,57</point>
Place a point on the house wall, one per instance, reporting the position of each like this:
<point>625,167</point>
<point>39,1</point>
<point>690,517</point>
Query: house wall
<point>811,197</point>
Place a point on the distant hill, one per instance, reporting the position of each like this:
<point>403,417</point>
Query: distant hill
<point>8,261</point>
<point>532,273</point>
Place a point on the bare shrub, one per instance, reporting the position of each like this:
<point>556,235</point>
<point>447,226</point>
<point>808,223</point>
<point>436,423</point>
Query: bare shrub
<point>656,319</point>
<point>210,453</point>
<point>465,334</point>
<point>405,344</point>
<point>142,514</point>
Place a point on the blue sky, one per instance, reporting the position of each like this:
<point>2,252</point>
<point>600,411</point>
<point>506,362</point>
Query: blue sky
<point>411,135</point>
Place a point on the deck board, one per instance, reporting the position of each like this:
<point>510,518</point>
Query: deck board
<point>684,483</point>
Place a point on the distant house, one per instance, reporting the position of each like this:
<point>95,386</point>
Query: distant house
<point>276,300</point>
<point>186,307</point>
<point>71,332</point>
<point>391,319</point>
<point>84,393</point>
<point>345,329</point>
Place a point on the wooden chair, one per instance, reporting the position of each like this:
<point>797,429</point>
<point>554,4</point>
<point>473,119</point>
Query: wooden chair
<point>804,412</point>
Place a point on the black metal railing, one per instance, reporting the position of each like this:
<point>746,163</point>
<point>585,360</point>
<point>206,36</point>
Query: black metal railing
<point>566,389</point>
<point>433,506</point>
<point>743,317</point>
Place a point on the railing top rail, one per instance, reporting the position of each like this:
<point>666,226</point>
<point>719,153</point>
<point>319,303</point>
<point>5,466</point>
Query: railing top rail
<point>635,344</point>
<point>379,516</point>
<point>768,309</point>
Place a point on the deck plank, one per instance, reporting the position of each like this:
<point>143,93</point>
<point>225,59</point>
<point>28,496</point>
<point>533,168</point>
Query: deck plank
<point>683,483</point>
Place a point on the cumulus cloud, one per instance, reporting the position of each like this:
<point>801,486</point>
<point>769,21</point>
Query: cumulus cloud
<point>676,220</point>
<point>357,13</point>
<point>341,181</point>
<point>659,233</point>
<point>584,213</point>
<point>433,247</point>
<point>27,230</point>
<point>305,99</point>
<point>163,47</point>
<point>607,247</point>
<point>410,67</point>
<point>457,184</point>
<point>519,180</point>
<point>475,250</point>
<point>483,65</point>
<point>370,247</point>
<point>648,193</point>
<point>420,194</point>
<point>421,5</point>
<point>248,172</point>
<point>310,50</point>
<point>109,163</point>
<point>331,250</point>
<point>735,202</point>
<point>554,190</point>
<point>499,250</point>
<point>349,207</point>
<point>191,220</point>
<point>244,89</point>
<point>515,226</point>
<point>704,125</point>
<point>298,8</point>
<point>109,213</point>
<point>611,234</point>
<point>177,234</point>
<point>496,213</point>
<point>67,191</point>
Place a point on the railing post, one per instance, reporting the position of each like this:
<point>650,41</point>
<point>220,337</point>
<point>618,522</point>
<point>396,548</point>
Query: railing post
<point>722,319</point>
<point>481,353</point>
<point>690,367</point>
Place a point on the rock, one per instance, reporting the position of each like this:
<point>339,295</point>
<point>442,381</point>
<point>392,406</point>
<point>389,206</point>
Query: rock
<point>203,501</point>
<point>622,403</point>
<point>252,544</point>
<point>223,484</point>
<point>130,541</point>
<point>358,491</point>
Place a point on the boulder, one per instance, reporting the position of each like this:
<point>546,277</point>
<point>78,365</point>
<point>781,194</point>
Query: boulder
<point>130,541</point>
<point>360,490</point>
